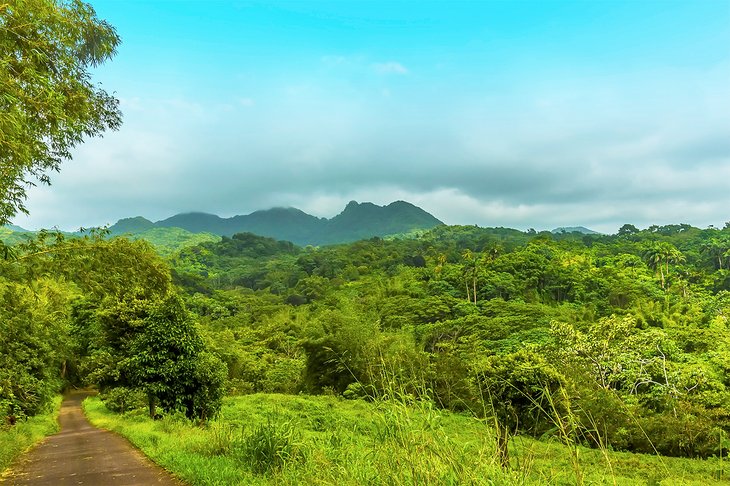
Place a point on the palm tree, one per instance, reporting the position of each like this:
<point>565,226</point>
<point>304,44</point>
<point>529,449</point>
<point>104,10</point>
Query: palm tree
<point>659,255</point>
<point>717,249</point>
<point>491,252</point>
<point>440,262</point>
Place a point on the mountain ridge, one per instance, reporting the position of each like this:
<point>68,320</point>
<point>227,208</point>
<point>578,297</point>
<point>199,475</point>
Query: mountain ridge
<point>575,229</point>
<point>356,221</point>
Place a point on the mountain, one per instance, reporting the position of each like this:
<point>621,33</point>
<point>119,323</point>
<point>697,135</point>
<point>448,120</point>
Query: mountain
<point>131,225</point>
<point>11,235</point>
<point>283,223</point>
<point>360,221</point>
<point>195,223</point>
<point>575,229</point>
<point>357,221</point>
<point>288,224</point>
<point>12,227</point>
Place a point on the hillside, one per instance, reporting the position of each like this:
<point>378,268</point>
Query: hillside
<point>11,235</point>
<point>357,221</point>
<point>170,240</point>
<point>166,241</point>
<point>361,221</point>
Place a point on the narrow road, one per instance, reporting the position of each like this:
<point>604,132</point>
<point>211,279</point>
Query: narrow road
<point>83,454</point>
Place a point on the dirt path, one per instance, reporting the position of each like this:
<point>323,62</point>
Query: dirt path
<point>83,454</point>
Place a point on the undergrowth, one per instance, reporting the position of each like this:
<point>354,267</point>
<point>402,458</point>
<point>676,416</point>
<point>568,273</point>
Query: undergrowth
<point>285,439</point>
<point>18,438</point>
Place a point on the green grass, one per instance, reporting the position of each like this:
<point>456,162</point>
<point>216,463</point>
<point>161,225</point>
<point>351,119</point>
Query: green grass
<point>284,439</point>
<point>25,434</point>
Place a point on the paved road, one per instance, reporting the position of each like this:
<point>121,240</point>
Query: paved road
<point>83,454</point>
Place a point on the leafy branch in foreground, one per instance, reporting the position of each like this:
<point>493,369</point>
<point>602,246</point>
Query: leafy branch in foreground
<point>48,103</point>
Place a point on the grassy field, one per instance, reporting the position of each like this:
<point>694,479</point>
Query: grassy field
<point>19,438</point>
<point>284,439</point>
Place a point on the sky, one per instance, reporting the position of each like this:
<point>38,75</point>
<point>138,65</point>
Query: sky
<point>495,113</point>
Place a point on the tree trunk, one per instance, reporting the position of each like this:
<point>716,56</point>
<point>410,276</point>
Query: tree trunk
<point>475,289</point>
<point>152,405</point>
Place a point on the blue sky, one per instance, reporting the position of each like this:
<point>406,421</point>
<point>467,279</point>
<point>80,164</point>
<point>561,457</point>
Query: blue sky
<point>509,113</point>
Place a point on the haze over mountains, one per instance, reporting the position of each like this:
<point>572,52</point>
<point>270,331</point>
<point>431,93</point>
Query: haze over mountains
<point>575,229</point>
<point>357,221</point>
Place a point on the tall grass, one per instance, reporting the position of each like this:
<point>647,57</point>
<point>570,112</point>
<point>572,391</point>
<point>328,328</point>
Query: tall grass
<point>268,447</point>
<point>287,440</point>
<point>16,439</point>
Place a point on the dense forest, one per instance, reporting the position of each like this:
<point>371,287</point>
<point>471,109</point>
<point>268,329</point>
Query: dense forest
<point>625,336</point>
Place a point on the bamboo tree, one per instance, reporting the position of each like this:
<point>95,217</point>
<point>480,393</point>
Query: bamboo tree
<point>48,103</point>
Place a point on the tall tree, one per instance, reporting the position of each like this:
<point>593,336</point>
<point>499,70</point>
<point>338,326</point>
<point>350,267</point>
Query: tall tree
<point>659,255</point>
<point>48,103</point>
<point>471,266</point>
<point>718,249</point>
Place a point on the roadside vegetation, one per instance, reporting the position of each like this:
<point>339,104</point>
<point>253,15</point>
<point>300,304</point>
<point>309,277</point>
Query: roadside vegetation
<point>285,439</point>
<point>20,437</point>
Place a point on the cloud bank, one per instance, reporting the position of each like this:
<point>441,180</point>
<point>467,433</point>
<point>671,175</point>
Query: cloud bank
<point>528,143</point>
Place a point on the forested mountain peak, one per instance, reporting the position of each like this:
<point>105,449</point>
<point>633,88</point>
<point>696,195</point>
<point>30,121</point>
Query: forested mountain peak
<point>13,227</point>
<point>575,229</point>
<point>279,213</point>
<point>131,225</point>
<point>193,221</point>
<point>357,221</point>
<point>364,220</point>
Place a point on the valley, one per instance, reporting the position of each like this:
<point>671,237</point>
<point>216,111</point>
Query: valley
<point>556,350</point>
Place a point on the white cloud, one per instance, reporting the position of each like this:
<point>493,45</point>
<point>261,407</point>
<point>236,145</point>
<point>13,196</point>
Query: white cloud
<point>607,153</point>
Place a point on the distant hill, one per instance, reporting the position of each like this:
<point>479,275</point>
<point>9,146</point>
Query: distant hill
<point>288,224</point>
<point>193,222</point>
<point>357,221</point>
<point>12,227</point>
<point>575,229</point>
<point>131,225</point>
<point>360,221</point>
<point>11,235</point>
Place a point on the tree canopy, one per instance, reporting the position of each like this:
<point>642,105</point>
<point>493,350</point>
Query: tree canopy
<point>48,102</point>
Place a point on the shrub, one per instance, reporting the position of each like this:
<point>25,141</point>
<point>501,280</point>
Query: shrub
<point>268,447</point>
<point>122,399</point>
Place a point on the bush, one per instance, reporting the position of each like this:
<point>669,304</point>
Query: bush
<point>358,391</point>
<point>209,386</point>
<point>268,447</point>
<point>283,376</point>
<point>17,438</point>
<point>122,399</point>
